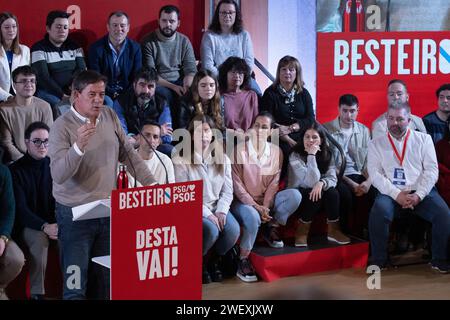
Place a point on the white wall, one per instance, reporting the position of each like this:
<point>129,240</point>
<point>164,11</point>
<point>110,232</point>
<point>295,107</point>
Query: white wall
<point>292,31</point>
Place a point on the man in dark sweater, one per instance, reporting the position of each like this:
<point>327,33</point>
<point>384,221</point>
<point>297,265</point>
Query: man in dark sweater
<point>11,257</point>
<point>436,122</point>
<point>56,59</point>
<point>35,205</point>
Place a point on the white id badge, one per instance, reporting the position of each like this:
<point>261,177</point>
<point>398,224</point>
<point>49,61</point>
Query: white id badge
<point>399,177</point>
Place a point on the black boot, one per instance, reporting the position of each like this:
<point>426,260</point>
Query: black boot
<point>205,274</point>
<point>213,268</point>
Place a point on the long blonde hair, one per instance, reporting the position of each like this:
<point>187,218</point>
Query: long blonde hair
<point>15,44</point>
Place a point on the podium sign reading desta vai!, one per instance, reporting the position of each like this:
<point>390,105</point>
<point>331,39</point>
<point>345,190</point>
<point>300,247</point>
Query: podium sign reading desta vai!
<point>156,242</point>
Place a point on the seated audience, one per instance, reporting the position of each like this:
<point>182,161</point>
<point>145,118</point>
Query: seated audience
<point>11,257</point>
<point>202,98</point>
<point>35,205</point>
<point>290,103</point>
<point>397,93</point>
<point>18,113</point>
<point>353,138</point>
<point>436,122</point>
<point>56,59</point>
<point>403,167</point>
<point>12,53</point>
<point>226,38</point>
<point>208,162</point>
<point>158,163</point>
<point>240,103</point>
<point>312,171</point>
<point>116,56</point>
<point>140,103</point>
<point>256,175</point>
<point>172,55</point>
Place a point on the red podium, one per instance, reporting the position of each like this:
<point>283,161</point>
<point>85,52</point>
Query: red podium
<point>156,242</point>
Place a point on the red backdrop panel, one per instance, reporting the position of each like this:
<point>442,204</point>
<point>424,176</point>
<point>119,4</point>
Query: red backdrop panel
<point>156,242</point>
<point>364,63</point>
<point>93,15</point>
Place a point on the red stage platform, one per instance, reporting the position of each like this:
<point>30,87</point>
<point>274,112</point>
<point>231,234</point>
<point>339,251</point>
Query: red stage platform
<point>321,255</point>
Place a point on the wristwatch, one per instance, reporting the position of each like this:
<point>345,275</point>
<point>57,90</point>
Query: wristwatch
<point>5,238</point>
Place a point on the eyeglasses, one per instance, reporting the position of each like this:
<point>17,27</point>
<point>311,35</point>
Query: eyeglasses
<point>25,81</point>
<point>38,142</point>
<point>227,13</point>
<point>237,73</point>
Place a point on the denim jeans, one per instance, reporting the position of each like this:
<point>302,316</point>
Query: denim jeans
<point>223,240</point>
<point>285,204</point>
<point>79,241</point>
<point>432,208</point>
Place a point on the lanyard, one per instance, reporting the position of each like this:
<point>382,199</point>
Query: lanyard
<point>400,159</point>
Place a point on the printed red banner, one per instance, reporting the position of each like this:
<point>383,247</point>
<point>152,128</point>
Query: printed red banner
<point>156,242</point>
<point>363,63</point>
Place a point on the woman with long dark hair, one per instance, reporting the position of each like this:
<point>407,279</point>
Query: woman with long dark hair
<point>203,98</point>
<point>208,162</point>
<point>311,170</point>
<point>12,53</point>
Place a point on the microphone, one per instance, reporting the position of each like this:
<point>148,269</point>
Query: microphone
<point>154,151</point>
<point>122,145</point>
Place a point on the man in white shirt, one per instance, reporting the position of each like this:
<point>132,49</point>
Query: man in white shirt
<point>403,167</point>
<point>397,93</point>
<point>151,130</point>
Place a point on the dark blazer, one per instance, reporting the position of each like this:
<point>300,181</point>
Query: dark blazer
<point>101,60</point>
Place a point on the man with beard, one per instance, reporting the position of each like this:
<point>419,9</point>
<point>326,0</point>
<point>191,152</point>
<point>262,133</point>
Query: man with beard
<point>116,56</point>
<point>403,167</point>
<point>139,104</point>
<point>436,122</point>
<point>172,55</point>
<point>397,93</point>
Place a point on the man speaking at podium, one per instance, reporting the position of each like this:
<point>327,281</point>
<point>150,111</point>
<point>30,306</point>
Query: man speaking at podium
<point>85,147</point>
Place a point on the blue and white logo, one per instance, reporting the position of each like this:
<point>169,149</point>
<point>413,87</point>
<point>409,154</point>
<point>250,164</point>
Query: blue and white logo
<point>167,195</point>
<point>444,56</point>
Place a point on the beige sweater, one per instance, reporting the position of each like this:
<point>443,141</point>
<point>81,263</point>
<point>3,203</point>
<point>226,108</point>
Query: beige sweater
<point>14,119</point>
<point>92,176</point>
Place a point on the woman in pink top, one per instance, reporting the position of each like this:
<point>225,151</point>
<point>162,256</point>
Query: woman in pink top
<point>256,174</point>
<point>240,103</point>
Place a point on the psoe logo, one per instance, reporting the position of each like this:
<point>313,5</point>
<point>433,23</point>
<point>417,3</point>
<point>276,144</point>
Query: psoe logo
<point>184,193</point>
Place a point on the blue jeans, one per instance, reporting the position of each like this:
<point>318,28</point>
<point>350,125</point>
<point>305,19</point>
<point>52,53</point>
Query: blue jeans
<point>223,240</point>
<point>432,208</point>
<point>285,204</point>
<point>79,241</point>
<point>50,98</point>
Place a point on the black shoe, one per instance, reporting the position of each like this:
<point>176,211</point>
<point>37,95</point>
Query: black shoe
<point>215,273</point>
<point>205,276</point>
<point>440,266</point>
<point>37,297</point>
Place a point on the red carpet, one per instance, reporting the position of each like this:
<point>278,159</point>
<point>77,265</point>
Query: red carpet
<point>272,264</point>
